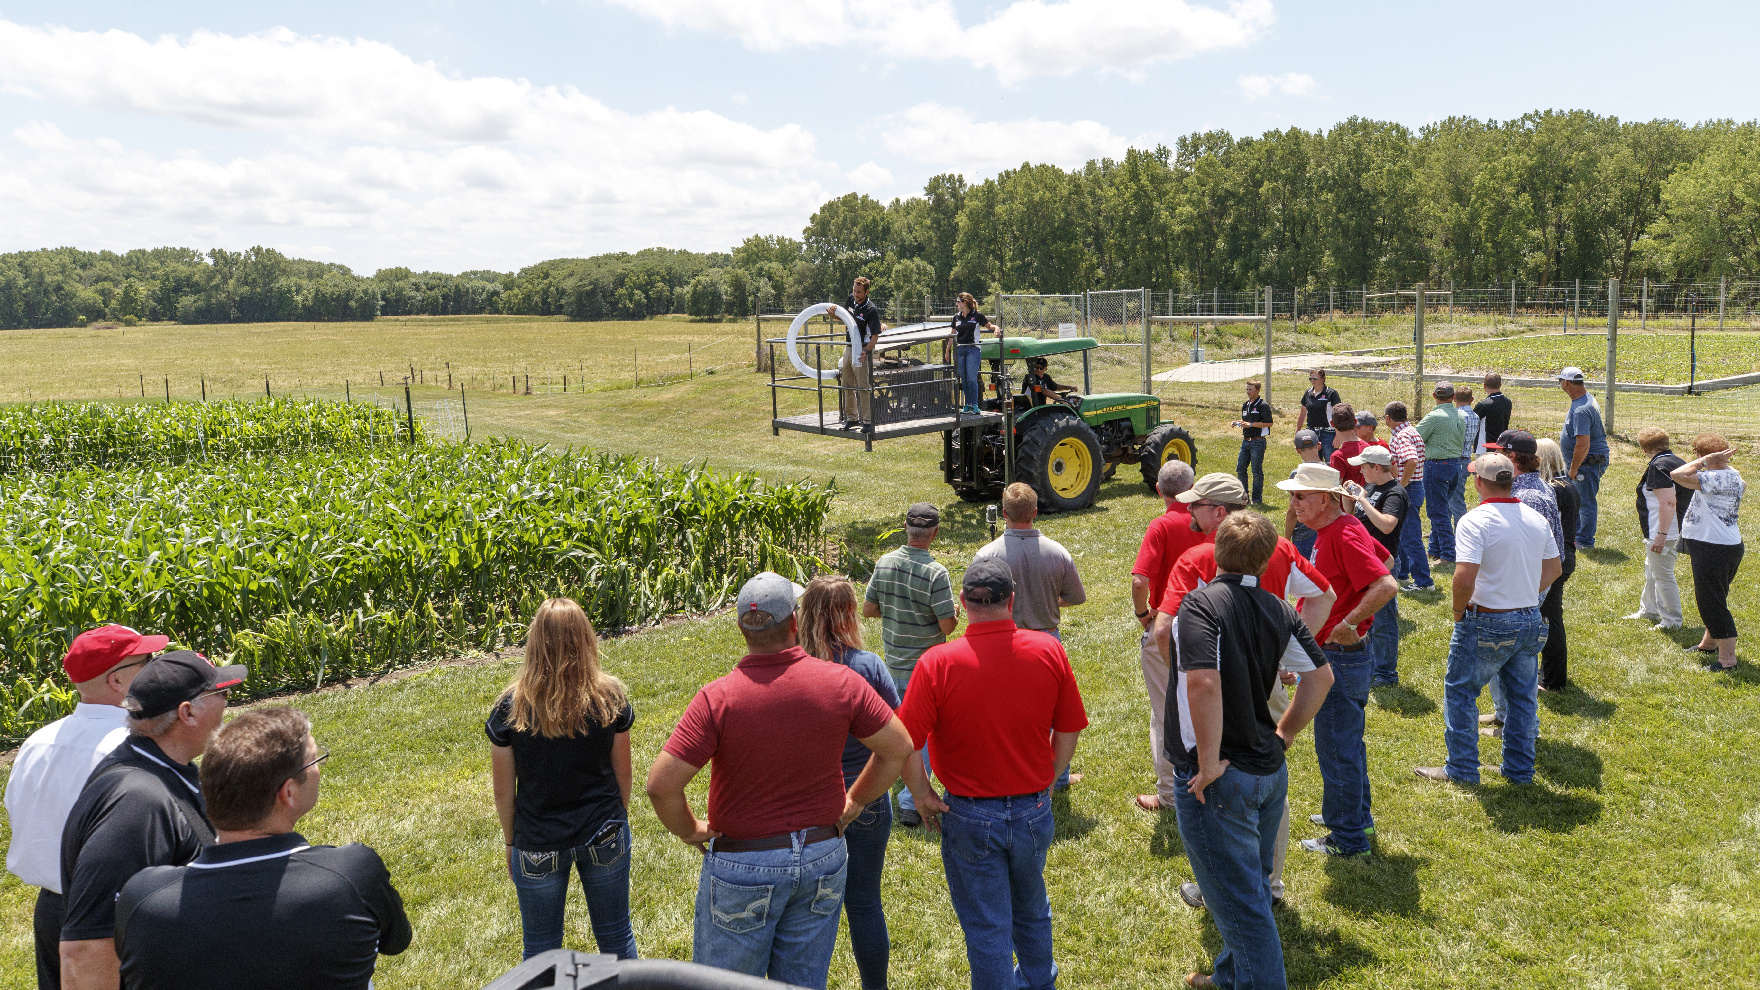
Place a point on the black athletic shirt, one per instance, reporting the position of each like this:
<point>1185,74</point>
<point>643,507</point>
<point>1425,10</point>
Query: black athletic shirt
<point>1391,499</point>
<point>139,808</point>
<point>1255,411</point>
<point>1493,413</point>
<point>867,317</point>
<point>1241,632</point>
<point>564,789</point>
<point>1318,405</point>
<point>965,328</point>
<point>264,914</point>
<point>1655,479</point>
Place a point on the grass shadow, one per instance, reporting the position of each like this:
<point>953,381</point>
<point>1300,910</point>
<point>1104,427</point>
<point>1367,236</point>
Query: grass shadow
<point>1522,807</point>
<point>1165,842</point>
<point>1603,555</point>
<point>1567,764</point>
<point>1376,885</point>
<point>1071,824</point>
<point>1403,700</point>
<point>1576,702</point>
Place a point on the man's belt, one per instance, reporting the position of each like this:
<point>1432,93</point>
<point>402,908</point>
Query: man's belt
<point>1475,607</point>
<point>1341,648</point>
<point>999,797</point>
<point>783,841</point>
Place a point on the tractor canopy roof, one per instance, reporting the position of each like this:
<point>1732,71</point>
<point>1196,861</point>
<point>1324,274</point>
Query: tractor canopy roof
<point>1021,348</point>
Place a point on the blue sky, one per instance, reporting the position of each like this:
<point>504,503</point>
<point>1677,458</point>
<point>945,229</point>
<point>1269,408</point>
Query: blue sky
<point>455,136</point>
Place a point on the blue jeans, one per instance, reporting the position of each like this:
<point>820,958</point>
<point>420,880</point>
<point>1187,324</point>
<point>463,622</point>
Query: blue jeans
<point>1062,778</point>
<point>1305,545</point>
<point>1253,455</point>
<point>1328,436</point>
<point>1231,840</point>
<point>966,361</point>
<point>1588,482</point>
<point>1504,647</point>
<point>1412,562</point>
<point>1457,500</point>
<point>772,913</point>
<point>993,850</point>
<point>868,939</point>
<point>1341,752</point>
<point>1442,481</point>
<point>541,882</point>
<point>905,801</point>
<point>1384,642</point>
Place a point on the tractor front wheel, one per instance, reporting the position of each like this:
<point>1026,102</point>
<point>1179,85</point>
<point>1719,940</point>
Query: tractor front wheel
<point>1167,442</point>
<point>1060,457</point>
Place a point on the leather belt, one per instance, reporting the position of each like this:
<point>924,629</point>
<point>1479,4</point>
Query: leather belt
<point>1474,607</point>
<point>783,841</point>
<point>998,797</point>
<point>1340,648</point>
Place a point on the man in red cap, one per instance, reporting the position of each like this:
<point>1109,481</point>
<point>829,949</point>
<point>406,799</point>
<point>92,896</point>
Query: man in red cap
<point>141,807</point>
<point>53,765</point>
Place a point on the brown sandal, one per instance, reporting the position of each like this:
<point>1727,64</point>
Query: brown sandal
<point>1199,981</point>
<point>1149,802</point>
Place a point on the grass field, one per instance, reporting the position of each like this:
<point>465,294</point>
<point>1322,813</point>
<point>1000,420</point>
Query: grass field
<point>1629,863</point>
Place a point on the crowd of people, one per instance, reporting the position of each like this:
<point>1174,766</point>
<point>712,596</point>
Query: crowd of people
<point>154,873</point>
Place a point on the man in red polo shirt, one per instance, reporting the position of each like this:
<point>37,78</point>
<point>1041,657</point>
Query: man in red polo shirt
<point>1170,535</point>
<point>1350,559</point>
<point>1000,712</point>
<point>771,887</point>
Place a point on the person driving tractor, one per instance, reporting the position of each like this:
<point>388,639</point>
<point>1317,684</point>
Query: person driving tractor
<point>1040,387</point>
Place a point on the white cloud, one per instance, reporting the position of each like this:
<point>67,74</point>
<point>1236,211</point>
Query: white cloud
<point>870,177</point>
<point>1026,39</point>
<point>948,137</point>
<point>1288,84</point>
<point>388,158</point>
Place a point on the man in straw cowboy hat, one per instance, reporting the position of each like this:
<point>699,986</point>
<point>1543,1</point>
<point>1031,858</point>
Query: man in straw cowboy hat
<point>1351,561</point>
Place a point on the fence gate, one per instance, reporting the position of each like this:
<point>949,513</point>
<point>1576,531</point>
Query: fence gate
<point>1120,318</point>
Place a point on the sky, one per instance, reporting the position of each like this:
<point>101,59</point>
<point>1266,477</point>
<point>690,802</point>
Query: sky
<point>455,136</point>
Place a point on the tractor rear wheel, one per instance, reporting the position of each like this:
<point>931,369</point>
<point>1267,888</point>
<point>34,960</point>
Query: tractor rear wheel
<point>1060,457</point>
<point>1167,442</point>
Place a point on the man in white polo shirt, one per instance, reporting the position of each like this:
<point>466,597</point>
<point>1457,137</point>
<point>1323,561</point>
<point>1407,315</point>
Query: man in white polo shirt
<point>1505,560</point>
<point>52,767</point>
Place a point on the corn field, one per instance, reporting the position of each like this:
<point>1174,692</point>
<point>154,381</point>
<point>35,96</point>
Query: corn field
<point>58,436</point>
<point>330,564</point>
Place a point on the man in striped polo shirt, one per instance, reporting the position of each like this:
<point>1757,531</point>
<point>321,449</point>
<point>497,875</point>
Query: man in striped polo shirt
<point>912,596</point>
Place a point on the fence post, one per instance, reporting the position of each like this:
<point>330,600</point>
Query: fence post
<point>1148,371</point>
<point>1268,308</point>
<point>168,389</point>
<point>266,393</point>
<point>409,410</point>
<point>1612,350</point>
<point>465,407</point>
<point>1644,305</point>
<point>1576,305</point>
<point>1365,304</point>
<point>204,388</point>
<point>1418,362</point>
<point>1722,295</point>
<point>1512,298</point>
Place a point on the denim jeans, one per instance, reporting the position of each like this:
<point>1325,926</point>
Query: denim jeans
<point>1230,841</point>
<point>993,850</point>
<point>966,361</point>
<point>1328,436</point>
<point>1341,752</point>
<point>1384,643</point>
<point>541,881</point>
<point>1305,545</point>
<point>1588,482</point>
<point>868,939</point>
<point>1252,455</point>
<point>1501,648</point>
<point>1412,562</point>
<point>1457,499</point>
<point>772,913</point>
<point>1442,480</point>
<point>905,801</point>
<point>1062,778</point>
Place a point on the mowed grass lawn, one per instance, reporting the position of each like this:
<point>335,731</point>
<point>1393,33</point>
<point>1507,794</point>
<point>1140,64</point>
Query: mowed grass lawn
<point>1629,863</point>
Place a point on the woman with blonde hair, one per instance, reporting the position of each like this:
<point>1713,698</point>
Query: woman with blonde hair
<point>1555,655</point>
<point>830,629</point>
<point>559,756</point>
<point>1711,536</point>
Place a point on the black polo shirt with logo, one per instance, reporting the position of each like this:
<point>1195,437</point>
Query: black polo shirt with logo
<point>1318,406</point>
<point>867,317</point>
<point>139,808</point>
<point>264,914</point>
<point>1255,411</point>
<point>965,326</point>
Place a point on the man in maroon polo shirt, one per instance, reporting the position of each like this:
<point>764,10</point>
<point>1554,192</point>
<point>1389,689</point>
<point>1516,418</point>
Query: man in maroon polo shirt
<point>1000,713</point>
<point>1170,535</point>
<point>774,863</point>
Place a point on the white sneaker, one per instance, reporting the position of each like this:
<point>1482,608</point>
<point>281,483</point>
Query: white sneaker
<point>1643,615</point>
<point>1660,626</point>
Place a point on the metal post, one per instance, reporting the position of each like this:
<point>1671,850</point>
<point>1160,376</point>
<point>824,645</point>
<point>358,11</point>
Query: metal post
<point>1087,373</point>
<point>466,409</point>
<point>1576,305</point>
<point>1722,297</point>
<point>168,389</point>
<point>409,411</point>
<point>1644,304</point>
<point>1512,298</point>
<point>1692,341</point>
<point>1612,351</point>
<point>1418,339</point>
<point>1148,385</point>
<point>1365,304</point>
<point>1268,308</point>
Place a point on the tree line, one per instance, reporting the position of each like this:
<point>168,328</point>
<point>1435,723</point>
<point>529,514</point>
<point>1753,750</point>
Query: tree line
<point>1546,198</point>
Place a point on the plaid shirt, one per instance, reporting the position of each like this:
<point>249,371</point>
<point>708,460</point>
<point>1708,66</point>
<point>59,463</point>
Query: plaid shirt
<point>1470,446</point>
<point>1537,495</point>
<point>1407,446</point>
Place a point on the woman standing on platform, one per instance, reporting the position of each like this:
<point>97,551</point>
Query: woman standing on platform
<point>966,348</point>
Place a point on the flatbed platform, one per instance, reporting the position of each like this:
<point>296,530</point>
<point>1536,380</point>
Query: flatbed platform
<point>831,425</point>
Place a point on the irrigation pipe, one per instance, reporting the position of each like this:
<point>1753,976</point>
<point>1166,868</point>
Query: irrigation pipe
<point>794,329</point>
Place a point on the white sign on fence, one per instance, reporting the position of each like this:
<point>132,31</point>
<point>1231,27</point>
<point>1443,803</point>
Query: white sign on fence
<point>1066,329</point>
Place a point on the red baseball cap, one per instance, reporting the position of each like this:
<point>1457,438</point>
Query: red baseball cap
<point>95,651</point>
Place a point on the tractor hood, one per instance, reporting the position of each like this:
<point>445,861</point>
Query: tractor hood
<point>1021,348</point>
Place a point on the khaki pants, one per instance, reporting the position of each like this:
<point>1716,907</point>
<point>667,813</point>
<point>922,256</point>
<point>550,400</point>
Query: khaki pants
<point>1662,593</point>
<point>853,376</point>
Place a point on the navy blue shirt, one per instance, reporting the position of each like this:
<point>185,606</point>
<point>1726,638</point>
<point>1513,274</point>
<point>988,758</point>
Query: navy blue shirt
<point>873,670</point>
<point>965,328</point>
<point>867,317</point>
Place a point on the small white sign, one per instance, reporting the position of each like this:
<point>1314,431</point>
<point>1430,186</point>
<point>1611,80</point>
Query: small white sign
<point>1066,329</point>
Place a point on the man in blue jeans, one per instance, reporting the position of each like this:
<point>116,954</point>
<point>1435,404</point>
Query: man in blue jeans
<point>1255,426</point>
<point>1351,561</point>
<point>1233,638</point>
<point>1381,507</point>
<point>1584,443</point>
<point>1507,561</point>
<point>1000,713</point>
<point>774,861</point>
<point>1408,468</point>
<point>1444,432</point>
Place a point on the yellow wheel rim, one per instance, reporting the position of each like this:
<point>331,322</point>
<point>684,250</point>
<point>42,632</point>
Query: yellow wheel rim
<point>1071,468</point>
<point>1176,450</point>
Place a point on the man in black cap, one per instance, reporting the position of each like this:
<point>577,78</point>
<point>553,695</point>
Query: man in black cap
<point>141,807</point>
<point>262,908</point>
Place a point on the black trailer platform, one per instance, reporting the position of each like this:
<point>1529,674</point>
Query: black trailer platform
<point>828,424</point>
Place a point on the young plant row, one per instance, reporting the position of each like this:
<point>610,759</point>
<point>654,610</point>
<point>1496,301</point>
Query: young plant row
<point>59,436</point>
<point>334,564</point>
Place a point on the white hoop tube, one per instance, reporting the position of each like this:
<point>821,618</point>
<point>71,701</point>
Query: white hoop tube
<point>794,329</point>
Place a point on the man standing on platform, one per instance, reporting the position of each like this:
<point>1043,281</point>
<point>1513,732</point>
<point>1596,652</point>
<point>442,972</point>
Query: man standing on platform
<point>1444,433</point>
<point>1170,535</point>
<point>1584,441</point>
<point>856,407</point>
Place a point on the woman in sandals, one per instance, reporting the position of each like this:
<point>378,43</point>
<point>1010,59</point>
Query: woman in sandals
<point>1711,536</point>
<point>559,752</point>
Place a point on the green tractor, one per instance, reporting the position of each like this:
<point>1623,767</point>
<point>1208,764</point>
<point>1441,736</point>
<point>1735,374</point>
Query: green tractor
<point>1063,447</point>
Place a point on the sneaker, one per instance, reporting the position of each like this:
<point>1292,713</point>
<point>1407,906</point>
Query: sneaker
<point>1384,682</point>
<point>1411,586</point>
<point>1434,773</point>
<point>1665,626</point>
<point>910,818</point>
<point>1190,893</point>
<point>1326,847</point>
<point>1490,719</point>
<point>1320,820</point>
<point>1494,731</point>
<point>1642,615</point>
